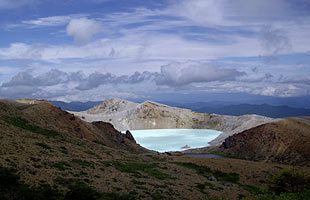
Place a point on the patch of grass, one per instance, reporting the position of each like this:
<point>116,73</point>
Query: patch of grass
<point>43,145</point>
<point>81,191</point>
<point>61,165</point>
<point>137,168</point>
<point>220,153</point>
<point>63,181</point>
<point>305,195</point>
<point>136,182</point>
<point>12,188</point>
<point>24,124</point>
<point>158,195</point>
<point>201,187</point>
<point>25,106</point>
<point>118,196</point>
<point>83,163</point>
<point>285,185</point>
<point>64,150</point>
<point>252,189</point>
<point>290,181</point>
<point>207,172</point>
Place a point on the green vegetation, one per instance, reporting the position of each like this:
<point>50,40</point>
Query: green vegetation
<point>290,181</point>
<point>61,165</point>
<point>43,145</point>
<point>305,195</point>
<point>64,150</point>
<point>157,195</point>
<point>24,106</point>
<point>83,163</point>
<point>137,168</point>
<point>285,185</point>
<point>207,172</point>
<point>82,192</point>
<point>12,188</point>
<point>24,124</point>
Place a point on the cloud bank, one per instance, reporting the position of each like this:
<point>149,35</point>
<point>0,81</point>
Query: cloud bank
<point>178,74</point>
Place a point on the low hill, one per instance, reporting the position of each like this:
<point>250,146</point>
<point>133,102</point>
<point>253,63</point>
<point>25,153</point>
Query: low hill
<point>40,116</point>
<point>286,141</point>
<point>126,115</point>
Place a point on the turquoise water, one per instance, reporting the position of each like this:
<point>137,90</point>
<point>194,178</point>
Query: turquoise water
<point>174,139</point>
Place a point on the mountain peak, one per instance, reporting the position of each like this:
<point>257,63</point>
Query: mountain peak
<point>111,106</point>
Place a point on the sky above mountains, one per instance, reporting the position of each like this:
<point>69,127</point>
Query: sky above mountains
<point>97,49</point>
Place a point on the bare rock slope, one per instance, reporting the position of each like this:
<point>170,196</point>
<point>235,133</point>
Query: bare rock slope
<point>126,115</point>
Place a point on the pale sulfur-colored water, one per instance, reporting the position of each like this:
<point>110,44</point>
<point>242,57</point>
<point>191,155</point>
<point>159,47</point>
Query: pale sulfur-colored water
<point>174,139</point>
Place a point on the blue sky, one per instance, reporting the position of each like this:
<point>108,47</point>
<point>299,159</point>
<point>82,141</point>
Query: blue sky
<point>98,49</point>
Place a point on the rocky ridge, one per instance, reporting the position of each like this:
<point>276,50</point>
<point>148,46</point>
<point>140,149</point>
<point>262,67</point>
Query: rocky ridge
<point>126,115</point>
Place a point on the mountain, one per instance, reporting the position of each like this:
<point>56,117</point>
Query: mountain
<point>217,107</point>
<point>48,153</point>
<point>285,141</point>
<point>243,109</point>
<point>75,105</point>
<point>226,99</point>
<point>40,116</point>
<point>127,115</point>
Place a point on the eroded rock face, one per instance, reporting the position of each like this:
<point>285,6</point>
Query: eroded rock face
<point>126,115</point>
<point>129,136</point>
<point>124,140</point>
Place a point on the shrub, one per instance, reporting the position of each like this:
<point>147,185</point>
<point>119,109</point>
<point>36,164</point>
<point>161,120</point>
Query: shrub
<point>12,188</point>
<point>138,167</point>
<point>81,191</point>
<point>43,145</point>
<point>289,181</point>
<point>24,124</point>
<point>206,171</point>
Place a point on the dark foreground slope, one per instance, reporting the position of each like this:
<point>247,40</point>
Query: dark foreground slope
<point>286,141</point>
<point>58,156</point>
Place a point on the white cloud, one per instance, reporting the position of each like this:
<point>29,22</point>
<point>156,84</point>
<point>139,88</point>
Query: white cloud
<point>83,29</point>
<point>230,13</point>
<point>178,74</point>
<point>199,11</point>
<point>51,20</point>
<point>275,41</point>
<point>11,4</point>
<point>187,77</point>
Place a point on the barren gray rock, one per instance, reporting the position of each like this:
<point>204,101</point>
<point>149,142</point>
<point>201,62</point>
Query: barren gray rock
<point>126,115</point>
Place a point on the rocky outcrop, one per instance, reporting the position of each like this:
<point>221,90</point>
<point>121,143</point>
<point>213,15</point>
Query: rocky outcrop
<point>286,141</point>
<point>126,115</point>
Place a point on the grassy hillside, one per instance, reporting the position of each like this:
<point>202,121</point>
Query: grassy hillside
<point>286,141</point>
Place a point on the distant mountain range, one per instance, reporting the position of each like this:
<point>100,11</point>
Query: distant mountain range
<point>243,109</point>
<point>75,105</point>
<point>208,107</point>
